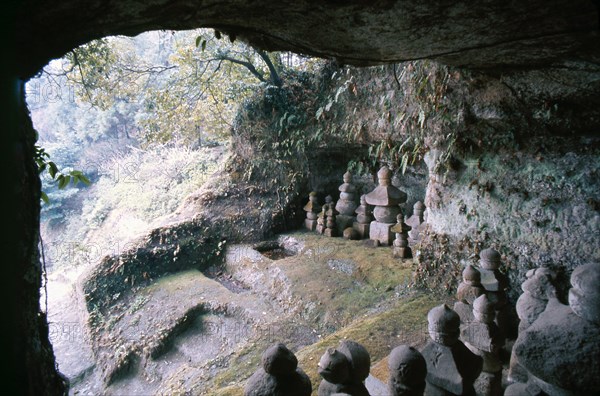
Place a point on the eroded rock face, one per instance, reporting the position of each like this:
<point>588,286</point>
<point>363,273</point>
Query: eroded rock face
<point>360,32</point>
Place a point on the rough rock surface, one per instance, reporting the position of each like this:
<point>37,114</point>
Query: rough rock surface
<point>358,32</point>
<point>562,349</point>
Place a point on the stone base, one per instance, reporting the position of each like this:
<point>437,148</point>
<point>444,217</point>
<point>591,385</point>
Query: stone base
<point>362,229</point>
<point>330,232</point>
<point>320,229</point>
<point>342,222</point>
<point>310,225</point>
<point>402,252</point>
<point>381,232</point>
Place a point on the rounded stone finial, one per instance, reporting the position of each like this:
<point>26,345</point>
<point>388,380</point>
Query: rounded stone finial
<point>384,175</point>
<point>328,199</point>
<point>490,259</point>
<point>363,200</point>
<point>334,366</point>
<point>278,360</point>
<point>400,218</point>
<point>471,275</point>
<point>584,296</point>
<point>443,325</point>
<point>418,206</point>
<point>408,369</point>
<point>347,177</point>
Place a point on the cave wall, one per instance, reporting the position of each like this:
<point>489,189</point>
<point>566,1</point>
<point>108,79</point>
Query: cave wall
<point>517,168</point>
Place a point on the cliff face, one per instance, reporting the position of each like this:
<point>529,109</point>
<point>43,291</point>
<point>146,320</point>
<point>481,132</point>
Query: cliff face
<point>505,160</point>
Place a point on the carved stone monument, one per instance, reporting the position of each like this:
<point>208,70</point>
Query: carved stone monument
<point>483,337</point>
<point>401,248</point>
<point>451,367</point>
<point>312,209</point>
<point>279,375</point>
<point>468,290</point>
<point>537,289</point>
<point>408,371</point>
<point>363,218</point>
<point>561,349</point>
<point>346,205</point>
<point>416,222</point>
<point>385,198</point>
<point>344,370</point>
<point>495,284</point>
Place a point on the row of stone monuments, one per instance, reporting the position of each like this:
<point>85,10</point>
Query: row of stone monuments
<point>445,366</point>
<point>557,352</point>
<point>379,216</point>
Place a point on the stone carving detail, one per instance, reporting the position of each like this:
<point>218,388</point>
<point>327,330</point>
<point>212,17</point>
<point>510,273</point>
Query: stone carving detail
<point>385,198</point>
<point>483,337</point>
<point>416,222</point>
<point>401,248</point>
<point>312,209</point>
<point>344,370</point>
<point>495,284</point>
<point>537,289</point>
<point>451,367</point>
<point>363,218</point>
<point>408,370</point>
<point>561,349</point>
<point>468,290</point>
<point>346,205</point>
<point>322,218</point>
<point>279,375</point>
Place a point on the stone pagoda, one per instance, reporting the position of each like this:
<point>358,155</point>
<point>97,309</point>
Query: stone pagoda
<point>451,367</point>
<point>401,229</point>
<point>416,222</point>
<point>312,209</point>
<point>346,205</point>
<point>483,337</point>
<point>363,218</point>
<point>385,198</point>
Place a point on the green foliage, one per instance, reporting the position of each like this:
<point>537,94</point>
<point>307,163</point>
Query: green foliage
<point>42,159</point>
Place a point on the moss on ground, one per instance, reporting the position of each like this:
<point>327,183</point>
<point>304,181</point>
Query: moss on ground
<point>403,323</point>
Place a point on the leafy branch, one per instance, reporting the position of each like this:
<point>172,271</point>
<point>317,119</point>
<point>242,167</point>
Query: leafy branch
<point>42,159</point>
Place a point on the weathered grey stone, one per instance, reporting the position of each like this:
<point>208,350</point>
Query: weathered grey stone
<point>464,311</point>
<point>312,209</point>
<point>362,229</point>
<point>484,339</point>
<point>451,366</point>
<point>416,222</point>
<point>363,212</point>
<point>537,288</point>
<point>381,232</point>
<point>346,205</point>
<point>342,222</point>
<point>452,369</point>
<point>351,233</point>
<point>470,288</point>
<point>344,370</point>
<point>408,371</point>
<point>561,351</point>
<point>385,194</point>
<point>279,375</point>
<point>401,248</point>
<point>584,296</point>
